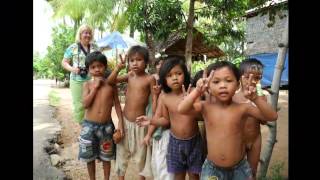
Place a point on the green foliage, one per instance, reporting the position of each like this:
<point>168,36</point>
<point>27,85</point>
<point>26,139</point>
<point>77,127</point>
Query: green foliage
<point>275,173</point>
<point>222,23</point>
<point>161,17</point>
<point>54,98</point>
<point>94,12</point>
<point>98,13</point>
<point>200,65</point>
<point>42,66</point>
<point>36,62</point>
<point>62,37</point>
<point>238,60</point>
<point>122,23</point>
<point>273,12</point>
<point>112,64</point>
<point>74,9</point>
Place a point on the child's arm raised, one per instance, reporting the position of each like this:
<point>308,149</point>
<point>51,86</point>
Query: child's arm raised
<point>89,94</point>
<point>125,77</point>
<point>117,107</point>
<point>112,79</point>
<point>263,111</point>
<point>189,102</point>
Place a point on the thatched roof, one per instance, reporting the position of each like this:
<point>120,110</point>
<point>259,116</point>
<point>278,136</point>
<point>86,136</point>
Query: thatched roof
<point>176,44</point>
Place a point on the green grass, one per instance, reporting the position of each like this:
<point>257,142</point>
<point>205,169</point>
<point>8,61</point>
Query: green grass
<point>275,172</point>
<point>54,98</point>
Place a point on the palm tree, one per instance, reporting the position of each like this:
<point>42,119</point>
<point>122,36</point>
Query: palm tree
<point>94,12</point>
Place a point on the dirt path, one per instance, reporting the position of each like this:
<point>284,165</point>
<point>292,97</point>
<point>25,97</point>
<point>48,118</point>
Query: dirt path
<point>45,130</point>
<point>76,170</point>
<point>280,150</point>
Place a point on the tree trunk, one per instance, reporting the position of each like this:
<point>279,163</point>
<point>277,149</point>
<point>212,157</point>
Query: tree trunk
<point>188,52</point>
<point>150,44</point>
<point>149,38</point>
<point>74,29</point>
<point>76,26</point>
<point>267,151</point>
<point>131,31</point>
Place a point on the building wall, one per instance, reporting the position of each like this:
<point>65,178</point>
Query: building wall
<point>262,39</point>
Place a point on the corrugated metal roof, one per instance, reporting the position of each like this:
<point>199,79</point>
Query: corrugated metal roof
<point>268,4</point>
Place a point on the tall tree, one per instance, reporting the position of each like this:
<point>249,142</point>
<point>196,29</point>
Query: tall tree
<point>74,9</point>
<point>62,37</point>
<point>95,12</point>
<point>156,19</point>
<point>99,13</point>
<point>188,51</point>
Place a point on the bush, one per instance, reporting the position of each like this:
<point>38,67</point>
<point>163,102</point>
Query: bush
<point>62,37</point>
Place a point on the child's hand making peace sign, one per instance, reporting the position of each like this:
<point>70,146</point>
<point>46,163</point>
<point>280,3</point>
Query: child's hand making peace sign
<point>185,94</point>
<point>203,83</point>
<point>122,63</point>
<point>250,88</point>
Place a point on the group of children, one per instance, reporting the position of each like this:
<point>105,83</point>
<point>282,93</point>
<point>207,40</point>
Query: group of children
<point>232,120</point>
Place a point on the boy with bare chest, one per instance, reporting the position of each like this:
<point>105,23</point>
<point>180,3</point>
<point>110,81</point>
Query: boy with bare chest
<point>96,136</point>
<point>139,88</point>
<point>225,120</point>
<point>252,133</point>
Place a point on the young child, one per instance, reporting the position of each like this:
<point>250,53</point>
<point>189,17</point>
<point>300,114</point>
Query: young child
<point>225,120</point>
<point>158,63</point>
<point>252,133</point>
<point>154,131</point>
<point>95,141</point>
<point>202,129</point>
<point>185,144</point>
<point>139,87</point>
<point>159,135</point>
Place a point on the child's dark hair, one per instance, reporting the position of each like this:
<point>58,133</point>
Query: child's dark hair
<point>140,50</point>
<point>196,77</point>
<point>166,68</point>
<point>221,64</point>
<point>157,60</point>
<point>95,56</point>
<point>250,64</point>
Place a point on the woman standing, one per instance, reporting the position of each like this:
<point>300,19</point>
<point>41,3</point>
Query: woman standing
<point>74,62</point>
